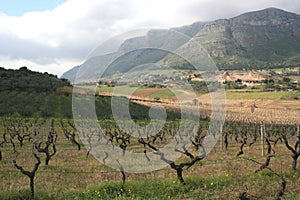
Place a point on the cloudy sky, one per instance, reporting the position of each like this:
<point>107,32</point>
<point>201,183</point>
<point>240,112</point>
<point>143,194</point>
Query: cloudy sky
<point>56,35</point>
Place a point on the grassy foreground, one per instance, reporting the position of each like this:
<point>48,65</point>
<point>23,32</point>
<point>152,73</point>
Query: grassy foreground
<point>221,175</point>
<point>197,187</point>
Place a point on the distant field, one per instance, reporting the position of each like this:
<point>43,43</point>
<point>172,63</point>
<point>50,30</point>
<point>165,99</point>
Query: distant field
<point>166,94</point>
<point>104,88</point>
<point>119,90</point>
<point>162,93</point>
<point>260,95</point>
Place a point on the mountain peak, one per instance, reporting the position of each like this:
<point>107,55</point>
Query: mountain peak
<point>272,9</point>
<point>269,11</point>
<point>260,39</point>
<point>268,16</point>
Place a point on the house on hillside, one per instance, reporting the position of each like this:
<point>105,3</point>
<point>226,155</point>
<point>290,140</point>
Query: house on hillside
<point>296,82</point>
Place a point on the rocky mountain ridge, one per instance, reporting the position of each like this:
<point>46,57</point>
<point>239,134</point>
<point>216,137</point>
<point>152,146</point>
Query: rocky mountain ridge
<point>262,39</point>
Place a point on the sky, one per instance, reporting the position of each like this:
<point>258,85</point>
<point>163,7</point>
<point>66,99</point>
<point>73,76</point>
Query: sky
<point>55,35</point>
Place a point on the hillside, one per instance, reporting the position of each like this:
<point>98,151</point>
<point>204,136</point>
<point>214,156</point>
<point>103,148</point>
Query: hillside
<point>257,40</point>
<point>57,105</point>
<point>25,80</point>
<point>33,94</point>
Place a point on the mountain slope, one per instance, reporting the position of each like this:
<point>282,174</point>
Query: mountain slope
<point>133,52</point>
<point>71,74</point>
<point>262,39</point>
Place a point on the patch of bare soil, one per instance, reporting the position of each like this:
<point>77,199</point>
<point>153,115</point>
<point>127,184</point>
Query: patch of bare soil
<point>148,92</point>
<point>247,110</point>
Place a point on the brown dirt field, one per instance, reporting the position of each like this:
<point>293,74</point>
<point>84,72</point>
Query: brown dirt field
<point>148,92</point>
<point>268,111</point>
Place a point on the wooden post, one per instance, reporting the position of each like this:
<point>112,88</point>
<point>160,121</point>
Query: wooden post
<point>221,139</point>
<point>262,141</point>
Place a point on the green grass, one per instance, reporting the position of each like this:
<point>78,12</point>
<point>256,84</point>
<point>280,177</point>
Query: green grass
<point>126,90</point>
<point>25,194</point>
<point>197,187</point>
<point>154,189</point>
<point>166,94</point>
<point>291,96</point>
<point>104,88</point>
<point>118,90</point>
<point>259,95</point>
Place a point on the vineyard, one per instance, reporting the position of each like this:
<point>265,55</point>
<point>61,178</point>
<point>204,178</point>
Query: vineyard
<point>45,159</point>
<point>59,105</point>
<point>204,111</point>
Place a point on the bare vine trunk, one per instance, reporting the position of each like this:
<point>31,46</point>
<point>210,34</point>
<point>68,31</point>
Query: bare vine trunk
<point>294,164</point>
<point>30,174</point>
<point>32,187</point>
<point>179,175</point>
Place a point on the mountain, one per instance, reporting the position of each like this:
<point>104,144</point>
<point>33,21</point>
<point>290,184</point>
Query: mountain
<point>131,53</point>
<point>71,74</point>
<point>262,39</point>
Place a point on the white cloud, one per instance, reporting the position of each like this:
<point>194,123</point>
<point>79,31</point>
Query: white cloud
<point>54,40</point>
<point>211,10</point>
<point>58,66</point>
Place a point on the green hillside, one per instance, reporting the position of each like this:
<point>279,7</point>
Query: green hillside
<point>24,79</point>
<point>58,105</point>
<point>32,94</point>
